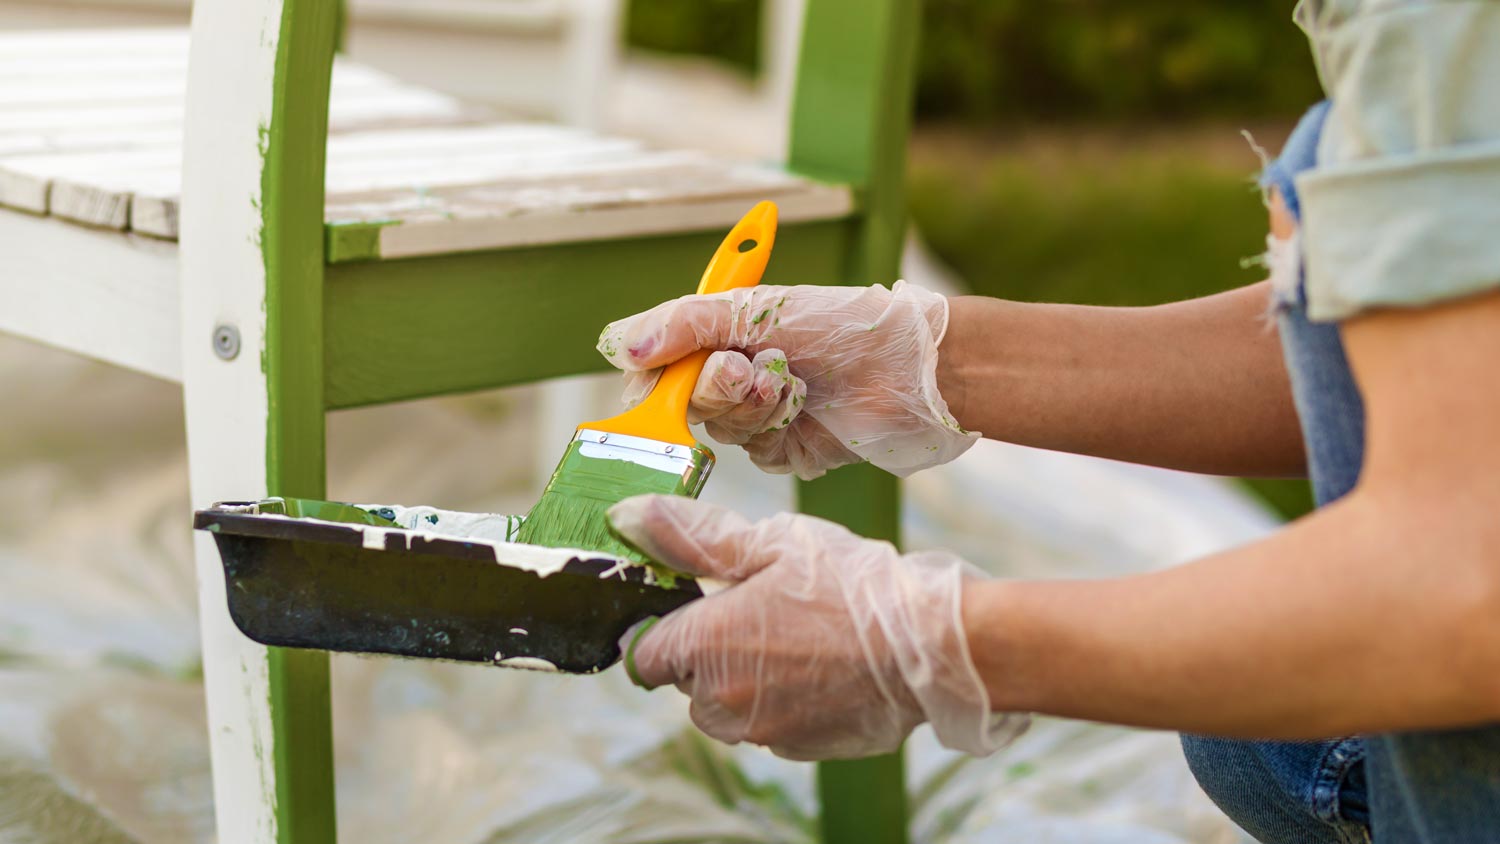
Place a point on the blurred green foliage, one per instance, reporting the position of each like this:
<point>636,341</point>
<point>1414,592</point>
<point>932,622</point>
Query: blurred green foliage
<point>987,60</point>
<point>983,60</point>
<point>1097,221</point>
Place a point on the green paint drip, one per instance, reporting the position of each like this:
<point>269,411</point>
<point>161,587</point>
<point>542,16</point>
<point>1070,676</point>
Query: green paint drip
<point>571,512</point>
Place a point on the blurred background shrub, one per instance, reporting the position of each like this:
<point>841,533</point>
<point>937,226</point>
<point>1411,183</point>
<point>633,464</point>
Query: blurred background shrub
<point>985,61</point>
<point>1111,59</point>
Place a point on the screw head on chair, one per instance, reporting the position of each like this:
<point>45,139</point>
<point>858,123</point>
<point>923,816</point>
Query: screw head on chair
<point>226,342</point>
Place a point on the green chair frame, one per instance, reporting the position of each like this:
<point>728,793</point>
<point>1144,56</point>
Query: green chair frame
<point>323,332</point>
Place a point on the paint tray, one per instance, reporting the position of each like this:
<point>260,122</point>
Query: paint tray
<point>427,583</point>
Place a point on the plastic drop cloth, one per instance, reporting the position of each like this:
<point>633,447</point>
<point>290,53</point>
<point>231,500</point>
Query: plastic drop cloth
<point>102,734</point>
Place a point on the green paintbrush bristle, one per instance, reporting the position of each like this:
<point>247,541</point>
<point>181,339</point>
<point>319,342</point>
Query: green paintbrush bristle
<point>594,475</point>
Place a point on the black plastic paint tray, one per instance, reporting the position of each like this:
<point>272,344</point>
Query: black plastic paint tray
<point>428,583</point>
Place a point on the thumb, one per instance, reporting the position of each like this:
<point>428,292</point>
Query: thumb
<point>734,319</point>
<point>695,537</point>
<point>668,331</point>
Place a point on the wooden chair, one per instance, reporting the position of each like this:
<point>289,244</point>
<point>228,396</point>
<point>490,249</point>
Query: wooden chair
<point>285,234</point>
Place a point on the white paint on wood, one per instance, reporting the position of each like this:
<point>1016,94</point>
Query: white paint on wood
<point>551,59</point>
<point>395,105</point>
<point>591,52</point>
<point>81,141</point>
<point>411,176</point>
<point>487,15</point>
<point>232,63</point>
<point>95,184</point>
<point>443,236</point>
<point>91,68</point>
<point>24,191</point>
<point>31,43</point>
<point>398,153</point>
<point>60,85</point>
<point>100,294</point>
<point>90,205</point>
<point>360,164</point>
<point>34,120</point>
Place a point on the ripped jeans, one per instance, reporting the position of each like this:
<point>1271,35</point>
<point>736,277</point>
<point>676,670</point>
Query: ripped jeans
<point>1406,788</point>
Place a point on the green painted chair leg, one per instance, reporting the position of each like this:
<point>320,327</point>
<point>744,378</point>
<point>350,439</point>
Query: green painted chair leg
<point>850,121</point>
<point>863,801</point>
<point>292,241</point>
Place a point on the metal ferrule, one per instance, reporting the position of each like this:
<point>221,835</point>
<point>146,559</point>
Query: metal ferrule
<point>690,463</point>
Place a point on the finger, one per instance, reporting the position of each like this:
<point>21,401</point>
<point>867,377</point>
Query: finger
<point>726,381</point>
<point>773,400</point>
<point>667,652</point>
<point>805,448</point>
<point>768,451</point>
<point>737,319</point>
<point>716,721</point>
<point>638,385</point>
<point>653,651</point>
<point>629,641</point>
<point>812,449</point>
<point>648,647</point>
<point>696,537</point>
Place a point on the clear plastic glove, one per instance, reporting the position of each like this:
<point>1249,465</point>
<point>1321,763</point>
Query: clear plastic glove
<point>825,645</point>
<point>805,378</point>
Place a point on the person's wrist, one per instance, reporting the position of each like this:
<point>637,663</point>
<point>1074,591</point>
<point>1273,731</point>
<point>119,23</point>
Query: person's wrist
<point>991,622</point>
<point>952,359</point>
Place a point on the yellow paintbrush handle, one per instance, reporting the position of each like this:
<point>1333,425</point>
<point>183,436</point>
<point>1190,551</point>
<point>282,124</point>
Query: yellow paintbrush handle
<point>739,262</point>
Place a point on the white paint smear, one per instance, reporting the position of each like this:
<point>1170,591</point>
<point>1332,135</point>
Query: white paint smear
<point>530,663</point>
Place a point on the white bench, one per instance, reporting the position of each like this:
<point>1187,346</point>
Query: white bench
<point>169,210</point>
<point>91,125</point>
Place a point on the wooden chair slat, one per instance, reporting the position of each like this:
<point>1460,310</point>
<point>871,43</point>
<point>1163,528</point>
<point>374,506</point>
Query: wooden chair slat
<point>93,135</point>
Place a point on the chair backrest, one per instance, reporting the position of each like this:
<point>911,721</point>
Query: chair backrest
<point>550,59</point>
<point>851,115</point>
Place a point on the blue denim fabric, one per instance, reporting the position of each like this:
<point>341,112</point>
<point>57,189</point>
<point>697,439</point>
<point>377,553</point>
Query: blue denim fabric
<point>1328,401</point>
<point>1310,792</point>
<point>1407,788</point>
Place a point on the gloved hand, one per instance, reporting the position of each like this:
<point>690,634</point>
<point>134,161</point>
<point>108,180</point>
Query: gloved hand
<point>805,378</point>
<point>825,646</point>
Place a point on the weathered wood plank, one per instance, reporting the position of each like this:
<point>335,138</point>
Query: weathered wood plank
<point>88,140</point>
<point>586,192</point>
<point>606,219</point>
<point>104,295</point>
<point>359,165</point>
<point>83,42</point>
<point>105,150</point>
<point>372,107</point>
<point>115,169</point>
<point>57,86</point>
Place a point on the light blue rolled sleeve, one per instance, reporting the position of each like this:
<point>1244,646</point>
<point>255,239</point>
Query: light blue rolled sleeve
<point>1403,208</point>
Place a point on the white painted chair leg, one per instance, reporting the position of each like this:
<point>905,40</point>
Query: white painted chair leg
<point>226,408</point>
<point>226,401</point>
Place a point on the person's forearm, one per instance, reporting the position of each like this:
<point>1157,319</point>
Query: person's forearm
<point>1196,385</point>
<point>1365,617</point>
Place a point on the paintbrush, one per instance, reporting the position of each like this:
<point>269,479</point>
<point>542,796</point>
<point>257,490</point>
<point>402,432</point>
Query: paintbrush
<point>648,448</point>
